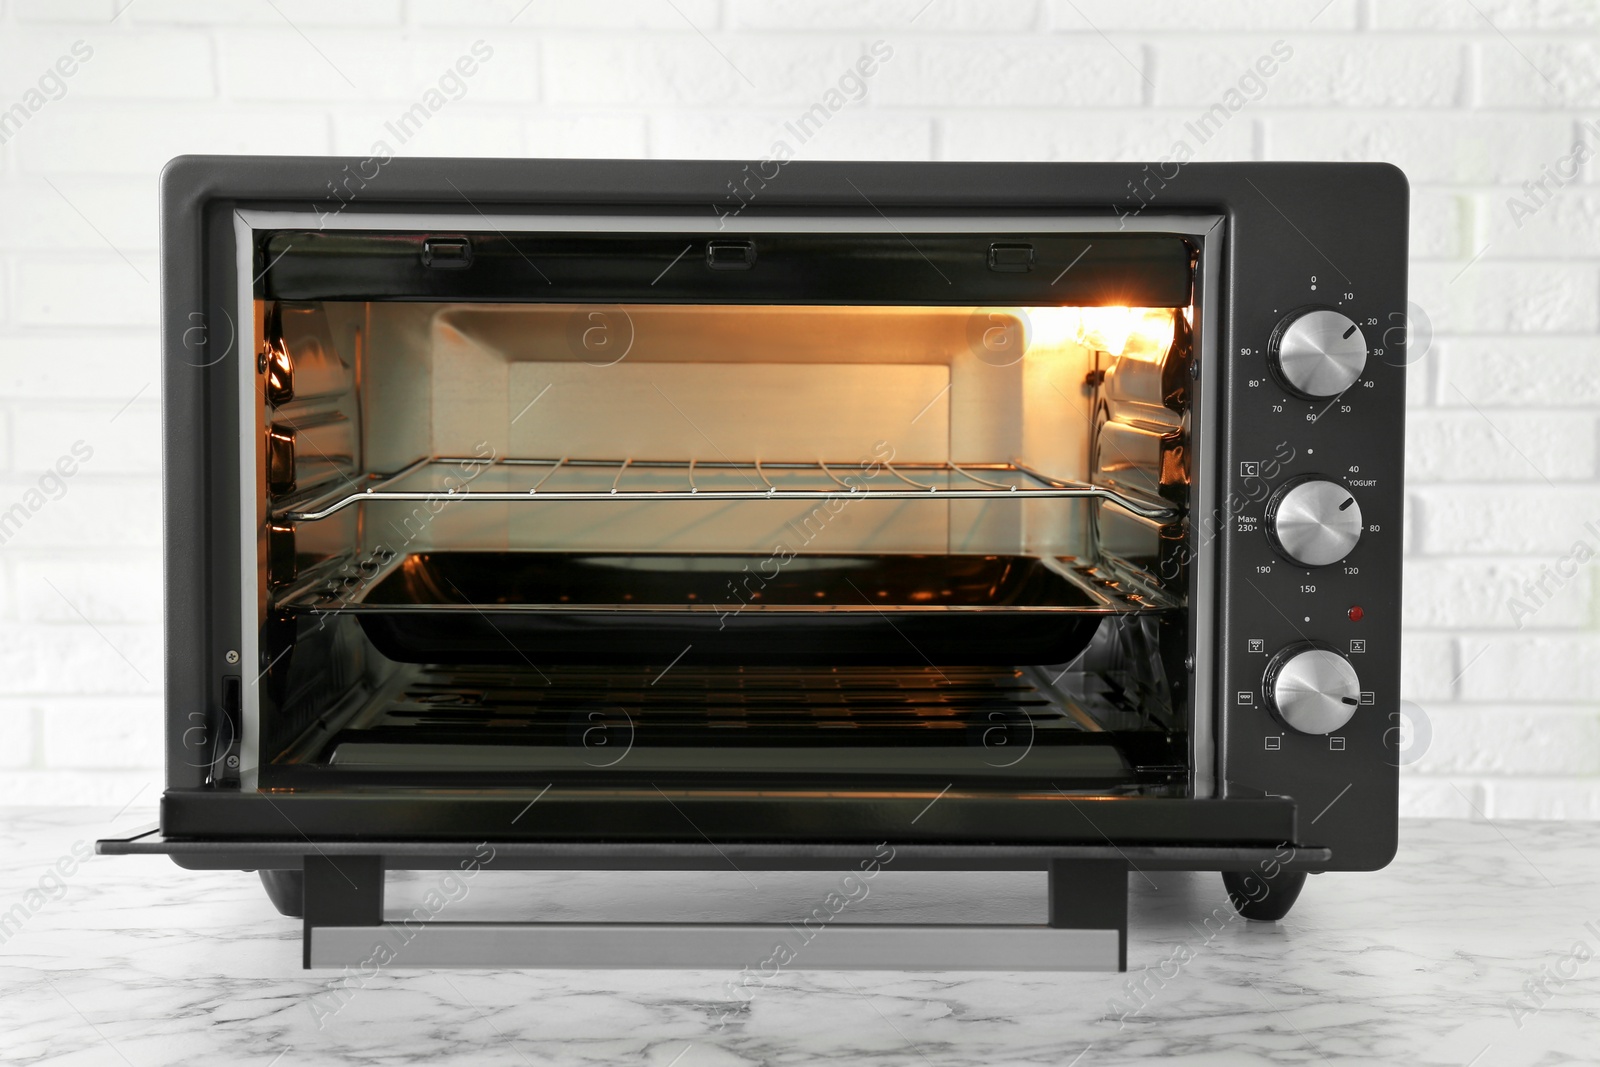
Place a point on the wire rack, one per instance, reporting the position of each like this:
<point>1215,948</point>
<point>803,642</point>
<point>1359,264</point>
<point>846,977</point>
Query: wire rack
<point>569,479</point>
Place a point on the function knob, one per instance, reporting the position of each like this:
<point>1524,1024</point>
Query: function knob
<point>1313,521</point>
<point>1311,689</point>
<point>1319,353</point>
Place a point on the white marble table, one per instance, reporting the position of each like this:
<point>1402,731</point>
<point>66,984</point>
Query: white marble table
<point>1437,960</point>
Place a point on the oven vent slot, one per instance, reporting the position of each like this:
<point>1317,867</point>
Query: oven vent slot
<point>447,253</point>
<point>730,255</point>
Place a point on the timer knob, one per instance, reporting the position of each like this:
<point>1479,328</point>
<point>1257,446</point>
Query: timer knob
<point>1318,353</point>
<point>1311,689</point>
<point>1313,521</point>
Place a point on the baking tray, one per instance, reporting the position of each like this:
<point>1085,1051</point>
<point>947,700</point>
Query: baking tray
<point>662,609</point>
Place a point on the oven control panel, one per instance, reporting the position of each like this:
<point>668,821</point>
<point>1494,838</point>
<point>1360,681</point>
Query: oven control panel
<point>1311,555</point>
<point>1309,525</point>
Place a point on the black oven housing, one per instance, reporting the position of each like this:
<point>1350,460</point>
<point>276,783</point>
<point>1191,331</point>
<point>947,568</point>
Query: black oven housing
<point>1294,234</point>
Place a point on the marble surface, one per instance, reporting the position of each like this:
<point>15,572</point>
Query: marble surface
<point>1479,945</point>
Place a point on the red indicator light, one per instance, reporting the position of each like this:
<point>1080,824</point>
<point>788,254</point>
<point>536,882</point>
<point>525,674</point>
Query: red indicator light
<point>1355,614</point>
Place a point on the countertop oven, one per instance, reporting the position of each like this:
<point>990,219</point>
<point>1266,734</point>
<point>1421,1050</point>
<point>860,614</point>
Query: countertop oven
<point>621,513</point>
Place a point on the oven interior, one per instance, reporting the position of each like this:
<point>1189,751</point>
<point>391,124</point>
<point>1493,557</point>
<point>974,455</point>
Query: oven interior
<point>732,545</point>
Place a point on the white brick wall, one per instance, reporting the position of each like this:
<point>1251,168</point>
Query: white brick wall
<point>1472,100</point>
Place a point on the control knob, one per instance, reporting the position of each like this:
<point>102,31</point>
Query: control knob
<point>1311,689</point>
<point>1313,521</point>
<point>1317,354</point>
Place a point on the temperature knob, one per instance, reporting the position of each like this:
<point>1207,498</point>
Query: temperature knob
<point>1313,521</point>
<point>1318,353</point>
<point>1311,689</point>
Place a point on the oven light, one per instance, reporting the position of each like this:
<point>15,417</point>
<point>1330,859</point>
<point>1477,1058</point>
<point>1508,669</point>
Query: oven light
<point>1141,333</point>
<point>1053,327</point>
<point>1108,328</point>
<point>1151,334</point>
<point>1137,333</point>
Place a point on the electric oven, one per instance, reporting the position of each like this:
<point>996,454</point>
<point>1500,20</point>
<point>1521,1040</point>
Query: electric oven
<point>695,514</point>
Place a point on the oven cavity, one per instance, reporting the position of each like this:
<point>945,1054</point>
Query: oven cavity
<point>711,543</point>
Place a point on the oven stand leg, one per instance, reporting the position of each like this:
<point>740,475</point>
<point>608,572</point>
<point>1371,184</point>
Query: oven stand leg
<point>287,891</point>
<point>1087,930</point>
<point>1263,899</point>
<point>1092,894</point>
<point>341,891</point>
